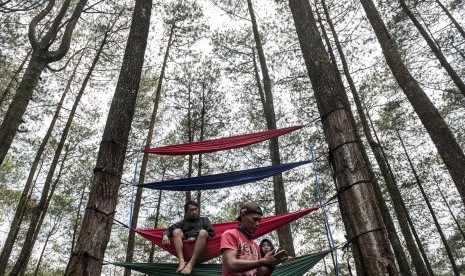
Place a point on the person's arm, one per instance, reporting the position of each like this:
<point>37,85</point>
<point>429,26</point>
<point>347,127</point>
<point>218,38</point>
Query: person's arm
<point>208,227</point>
<point>237,265</point>
<point>168,233</point>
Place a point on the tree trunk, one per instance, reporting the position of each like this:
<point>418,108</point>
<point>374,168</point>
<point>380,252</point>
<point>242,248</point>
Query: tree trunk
<point>143,167</point>
<point>449,15</point>
<point>41,56</point>
<point>13,79</point>
<point>435,49</point>
<point>16,223</point>
<point>397,247</point>
<point>39,212</point>
<point>284,233</point>
<point>98,218</point>
<point>451,212</point>
<point>421,263</point>
<point>430,208</point>
<point>157,216</point>
<point>356,195</point>
<point>440,133</point>
<point>35,224</point>
<point>78,217</point>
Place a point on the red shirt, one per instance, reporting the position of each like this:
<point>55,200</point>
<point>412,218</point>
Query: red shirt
<point>246,249</point>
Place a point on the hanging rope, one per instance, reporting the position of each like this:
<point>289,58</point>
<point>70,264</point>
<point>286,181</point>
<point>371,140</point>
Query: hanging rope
<point>322,206</point>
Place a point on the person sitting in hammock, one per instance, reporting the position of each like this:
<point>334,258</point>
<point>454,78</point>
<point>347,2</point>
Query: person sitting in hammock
<point>194,229</point>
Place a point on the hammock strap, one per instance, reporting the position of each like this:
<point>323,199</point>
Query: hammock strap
<point>364,233</point>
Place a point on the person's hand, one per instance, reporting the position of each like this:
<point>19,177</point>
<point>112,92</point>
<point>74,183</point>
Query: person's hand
<point>287,259</point>
<point>165,241</point>
<point>269,260</point>
<point>191,240</point>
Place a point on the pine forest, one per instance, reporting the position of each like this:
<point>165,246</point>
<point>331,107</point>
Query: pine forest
<point>367,98</point>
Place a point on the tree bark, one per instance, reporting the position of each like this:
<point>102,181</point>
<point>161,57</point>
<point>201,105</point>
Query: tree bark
<point>435,49</point>
<point>441,135</point>
<point>430,208</point>
<point>22,204</point>
<point>13,79</point>
<point>397,247</point>
<point>284,233</point>
<point>143,167</point>
<point>96,225</point>
<point>356,195</point>
<point>41,56</point>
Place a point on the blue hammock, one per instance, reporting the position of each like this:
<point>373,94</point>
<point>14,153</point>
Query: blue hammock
<point>222,180</point>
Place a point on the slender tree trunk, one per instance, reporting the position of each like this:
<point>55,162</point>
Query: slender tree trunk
<point>284,233</point>
<point>420,262</point>
<point>435,49</point>
<point>356,194</point>
<point>451,212</point>
<point>22,204</point>
<point>78,217</point>
<point>13,79</point>
<point>145,158</point>
<point>451,18</point>
<point>49,235</point>
<point>430,208</point>
<point>157,216</point>
<point>402,262</point>
<point>40,211</point>
<point>441,135</point>
<point>41,56</point>
<point>97,223</point>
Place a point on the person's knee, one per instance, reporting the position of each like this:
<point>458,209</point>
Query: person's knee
<point>203,233</point>
<point>177,233</point>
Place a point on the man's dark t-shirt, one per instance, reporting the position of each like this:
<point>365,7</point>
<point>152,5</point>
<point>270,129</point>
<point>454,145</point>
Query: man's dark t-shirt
<point>191,228</point>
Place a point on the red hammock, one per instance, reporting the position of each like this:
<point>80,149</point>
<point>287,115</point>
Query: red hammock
<point>212,248</point>
<point>221,143</point>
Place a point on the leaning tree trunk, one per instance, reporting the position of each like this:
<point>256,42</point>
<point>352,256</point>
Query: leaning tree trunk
<point>451,212</point>
<point>420,261</point>
<point>356,195</point>
<point>284,233</point>
<point>16,222</point>
<point>441,135</point>
<point>435,49</point>
<point>98,218</point>
<point>451,18</point>
<point>397,247</point>
<point>13,80</point>
<point>430,208</point>
<point>145,158</point>
<point>40,57</point>
<point>34,225</point>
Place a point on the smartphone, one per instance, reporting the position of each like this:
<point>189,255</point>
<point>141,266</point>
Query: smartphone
<point>280,254</point>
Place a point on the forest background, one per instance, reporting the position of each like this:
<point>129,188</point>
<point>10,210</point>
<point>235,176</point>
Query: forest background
<point>201,79</point>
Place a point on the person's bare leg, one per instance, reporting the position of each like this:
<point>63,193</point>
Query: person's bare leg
<point>177,242</point>
<point>198,249</point>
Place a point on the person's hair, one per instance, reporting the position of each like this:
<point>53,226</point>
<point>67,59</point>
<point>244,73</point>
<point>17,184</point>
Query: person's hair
<point>261,244</point>
<point>190,202</point>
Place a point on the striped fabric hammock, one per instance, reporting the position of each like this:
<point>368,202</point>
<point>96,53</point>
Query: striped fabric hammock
<point>221,143</point>
<point>212,248</point>
<point>298,267</point>
<point>222,180</point>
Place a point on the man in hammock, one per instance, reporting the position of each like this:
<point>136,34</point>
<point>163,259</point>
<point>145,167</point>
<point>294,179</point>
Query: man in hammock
<point>194,229</point>
<point>241,255</point>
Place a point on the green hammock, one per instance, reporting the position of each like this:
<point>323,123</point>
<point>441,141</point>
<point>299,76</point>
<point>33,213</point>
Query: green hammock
<point>298,267</point>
